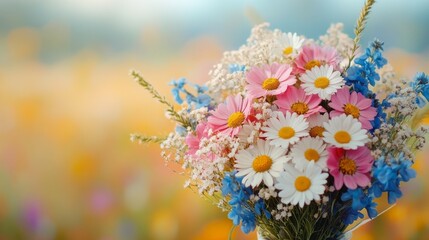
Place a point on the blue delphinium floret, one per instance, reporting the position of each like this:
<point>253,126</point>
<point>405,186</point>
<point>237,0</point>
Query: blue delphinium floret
<point>200,88</point>
<point>261,209</point>
<point>421,87</point>
<point>200,100</point>
<point>388,176</point>
<point>377,57</point>
<point>356,195</point>
<point>381,115</point>
<point>241,211</point>
<point>178,86</point>
<point>360,199</point>
<point>363,73</point>
<point>351,216</point>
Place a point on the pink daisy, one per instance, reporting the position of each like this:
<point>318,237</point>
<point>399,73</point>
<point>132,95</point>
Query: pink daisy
<point>229,117</point>
<point>295,100</point>
<point>269,80</point>
<point>350,167</point>
<point>354,104</point>
<point>314,55</point>
<point>193,141</point>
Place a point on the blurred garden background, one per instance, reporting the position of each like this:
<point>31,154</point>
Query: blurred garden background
<point>67,106</point>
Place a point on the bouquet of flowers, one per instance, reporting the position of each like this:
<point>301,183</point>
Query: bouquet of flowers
<point>296,136</point>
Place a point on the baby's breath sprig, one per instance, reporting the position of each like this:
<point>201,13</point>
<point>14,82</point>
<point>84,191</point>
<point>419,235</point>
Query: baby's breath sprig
<point>170,108</point>
<point>360,26</point>
<point>135,137</point>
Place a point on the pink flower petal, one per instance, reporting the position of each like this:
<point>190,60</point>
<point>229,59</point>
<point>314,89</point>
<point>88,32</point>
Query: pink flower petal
<point>349,181</point>
<point>338,182</point>
<point>362,180</point>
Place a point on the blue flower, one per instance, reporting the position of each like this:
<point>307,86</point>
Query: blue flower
<point>179,83</point>
<point>360,75</point>
<point>381,115</point>
<point>420,102</point>
<point>377,44</point>
<point>351,216</point>
<point>379,60</point>
<point>421,79</point>
<point>236,68</point>
<point>421,86</point>
<point>199,101</point>
<point>357,197</point>
<point>260,208</point>
<point>364,70</point>
<point>377,57</point>
<point>200,88</point>
<point>248,222</point>
<point>388,176</point>
<point>360,199</point>
<point>370,207</point>
<point>203,100</point>
<point>234,216</point>
<point>241,211</point>
<point>425,92</point>
<point>406,172</point>
<point>229,184</point>
<point>393,195</point>
<point>178,87</point>
<point>176,95</point>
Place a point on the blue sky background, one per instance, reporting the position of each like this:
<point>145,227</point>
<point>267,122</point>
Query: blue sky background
<point>116,27</point>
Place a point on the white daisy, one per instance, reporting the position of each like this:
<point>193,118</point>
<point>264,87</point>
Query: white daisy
<point>262,162</point>
<point>309,149</point>
<point>284,130</point>
<point>288,45</point>
<point>323,81</point>
<point>315,124</point>
<point>299,187</point>
<point>345,132</point>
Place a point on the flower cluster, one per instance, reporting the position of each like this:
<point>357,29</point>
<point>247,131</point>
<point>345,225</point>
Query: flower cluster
<point>287,126</point>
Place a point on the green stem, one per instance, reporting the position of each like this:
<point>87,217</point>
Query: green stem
<point>231,232</point>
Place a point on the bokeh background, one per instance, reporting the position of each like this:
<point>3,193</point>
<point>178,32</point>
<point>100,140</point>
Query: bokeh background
<point>67,107</point>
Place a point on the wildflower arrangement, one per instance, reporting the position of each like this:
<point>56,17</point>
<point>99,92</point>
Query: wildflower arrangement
<point>297,136</point>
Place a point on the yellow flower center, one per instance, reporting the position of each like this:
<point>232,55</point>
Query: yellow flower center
<point>309,65</point>
<point>299,108</point>
<point>262,163</point>
<point>317,131</point>
<point>235,119</point>
<point>347,166</point>
<point>311,155</point>
<point>302,183</point>
<point>288,50</point>
<point>321,82</point>
<point>351,109</point>
<point>270,84</point>
<point>342,137</point>
<point>286,132</point>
